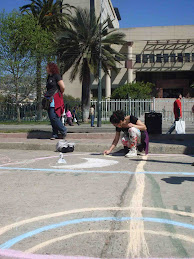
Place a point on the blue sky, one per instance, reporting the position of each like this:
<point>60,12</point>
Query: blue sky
<point>139,13</point>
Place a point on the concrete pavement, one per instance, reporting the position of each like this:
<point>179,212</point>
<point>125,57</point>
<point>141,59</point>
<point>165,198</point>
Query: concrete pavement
<point>94,206</point>
<point>87,139</point>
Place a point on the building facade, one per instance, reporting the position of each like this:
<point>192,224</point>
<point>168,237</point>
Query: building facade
<point>107,10</point>
<point>162,55</point>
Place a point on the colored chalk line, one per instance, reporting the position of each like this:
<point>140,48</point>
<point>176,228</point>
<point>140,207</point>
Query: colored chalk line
<point>17,239</point>
<point>22,255</point>
<point>57,170</point>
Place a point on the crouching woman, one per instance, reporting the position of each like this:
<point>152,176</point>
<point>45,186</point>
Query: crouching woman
<point>134,134</point>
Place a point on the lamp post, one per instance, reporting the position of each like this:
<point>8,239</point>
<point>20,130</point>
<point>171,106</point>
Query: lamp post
<point>99,103</point>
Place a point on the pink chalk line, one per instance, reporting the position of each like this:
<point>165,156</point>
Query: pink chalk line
<point>22,255</point>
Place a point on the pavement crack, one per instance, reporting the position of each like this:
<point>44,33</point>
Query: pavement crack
<point>109,239</point>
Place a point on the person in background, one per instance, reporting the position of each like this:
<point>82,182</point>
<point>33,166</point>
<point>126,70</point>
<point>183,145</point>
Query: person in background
<point>55,89</point>
<point>63,117</point>
<point>177,109</point>
<point>92,114</point>
<point>75,115</point>
<point>69,117</point>
<point>134,137</point>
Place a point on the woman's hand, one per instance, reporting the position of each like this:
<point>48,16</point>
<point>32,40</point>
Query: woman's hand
<point>130,125</point>
<point>115,141</point>
<point>61,85</point>
<point>107,152</point>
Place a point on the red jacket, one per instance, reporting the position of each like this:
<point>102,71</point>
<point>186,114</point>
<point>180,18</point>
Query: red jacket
<point>177,109</point>
<point>59,104</point>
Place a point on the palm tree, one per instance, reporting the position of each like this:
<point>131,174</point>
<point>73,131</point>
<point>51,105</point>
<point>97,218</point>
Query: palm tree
<point>48,13</point>
<point>78,49</point>
<point>49,16</point>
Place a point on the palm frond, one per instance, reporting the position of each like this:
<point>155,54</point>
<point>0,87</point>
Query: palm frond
<point>79,46</point>
<point>48,13</point>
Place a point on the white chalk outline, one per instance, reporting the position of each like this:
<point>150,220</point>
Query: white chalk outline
<point>54,240</point>
<point>84,210</point>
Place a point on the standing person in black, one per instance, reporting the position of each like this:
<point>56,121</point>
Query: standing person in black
<point>55,88</point>
<point>134,134</point>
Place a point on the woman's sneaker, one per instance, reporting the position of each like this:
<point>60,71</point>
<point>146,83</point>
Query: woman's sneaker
<point>54,137</point>
<point>131,153</point>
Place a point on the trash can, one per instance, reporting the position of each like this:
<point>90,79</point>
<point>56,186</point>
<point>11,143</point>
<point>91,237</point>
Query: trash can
<point>153,122</point>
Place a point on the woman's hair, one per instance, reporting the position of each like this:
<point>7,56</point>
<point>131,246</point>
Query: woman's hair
<point>177,95</point>
<point>117,116</point>
<point>53,68</point>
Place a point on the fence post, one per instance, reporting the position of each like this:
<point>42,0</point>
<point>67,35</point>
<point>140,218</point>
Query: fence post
<point>129,105</point>
<point>154,104</point>
<point>183,109</point>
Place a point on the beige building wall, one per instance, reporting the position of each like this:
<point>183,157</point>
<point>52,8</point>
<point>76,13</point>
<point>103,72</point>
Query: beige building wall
<point>157,41</point>
<point>75,87</point>
<point>146,41</point>
<point>80,3</point>
<point>171,39</point>
<point>107,9</point>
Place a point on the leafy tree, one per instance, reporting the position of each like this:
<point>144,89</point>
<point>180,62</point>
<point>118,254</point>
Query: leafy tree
<point>15,62</point>
<point>50,18</point>
<point>78,49</point>
<point>138,90</point>
<point>70,101</point>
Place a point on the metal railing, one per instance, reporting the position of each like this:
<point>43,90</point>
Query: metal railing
<point>129,106</point>
<point>28,111</point>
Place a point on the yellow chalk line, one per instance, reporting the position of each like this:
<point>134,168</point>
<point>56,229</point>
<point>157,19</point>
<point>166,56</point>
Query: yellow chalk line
<point>137,244</point>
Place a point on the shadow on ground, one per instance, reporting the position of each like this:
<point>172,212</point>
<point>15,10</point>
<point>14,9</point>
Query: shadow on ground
<point>177,179</point>
<point>39,134</point>
<point>185,140</point>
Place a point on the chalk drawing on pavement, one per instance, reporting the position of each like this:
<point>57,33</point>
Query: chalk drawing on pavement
<point>89,163</point>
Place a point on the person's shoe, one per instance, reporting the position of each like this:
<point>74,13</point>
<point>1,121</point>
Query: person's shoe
<point>168,132</point>
<point>141,147</point>
<point>126,150</point>
<point>54,137</point>
<point>131,153</point>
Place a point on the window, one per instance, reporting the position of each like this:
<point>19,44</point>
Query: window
<point>192,57</point>
<point>158,58</point>
<point>172,57</point>
<point>145,58</point>
<point>138,58</point>
<point>152,59</point>
<point>187,57</point>
<point>180,57</point>
<point>166,58</point>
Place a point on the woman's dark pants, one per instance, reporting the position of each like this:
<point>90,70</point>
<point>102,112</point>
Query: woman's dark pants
<point>56,123</point>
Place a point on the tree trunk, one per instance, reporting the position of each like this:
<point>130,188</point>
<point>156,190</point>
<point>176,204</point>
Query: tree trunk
<point>18,112</point>
<point>86,96</point>
<point>17,96</point>
<point>38,88</point>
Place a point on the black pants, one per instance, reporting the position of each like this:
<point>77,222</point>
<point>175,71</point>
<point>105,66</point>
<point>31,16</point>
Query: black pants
<point>172,128</point>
